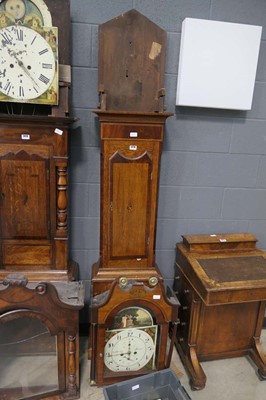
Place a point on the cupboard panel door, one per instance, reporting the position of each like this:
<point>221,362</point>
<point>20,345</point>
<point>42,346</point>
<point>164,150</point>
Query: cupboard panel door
<point>130,192</point>
<point>24,198</point>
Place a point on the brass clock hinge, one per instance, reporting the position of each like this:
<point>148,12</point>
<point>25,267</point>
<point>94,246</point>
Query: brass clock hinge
<point>148,241</point>
<point>48,174</point>
<point>111,206</point>
<point>151,176</point>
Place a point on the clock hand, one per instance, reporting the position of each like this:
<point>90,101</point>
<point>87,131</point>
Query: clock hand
<point>20,63</point>
<point>129,351</point>
<point>117,353</point>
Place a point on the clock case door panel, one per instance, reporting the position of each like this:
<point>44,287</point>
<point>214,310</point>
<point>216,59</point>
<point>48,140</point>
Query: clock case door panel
<point>129,199</point>
<point>33,203</point>
<point>24,197</point>
<point>25,207</point>
<point>130,213</point>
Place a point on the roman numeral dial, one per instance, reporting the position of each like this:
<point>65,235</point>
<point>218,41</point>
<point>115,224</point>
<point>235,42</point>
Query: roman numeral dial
<point>27,63</point>
<point>130,349</point>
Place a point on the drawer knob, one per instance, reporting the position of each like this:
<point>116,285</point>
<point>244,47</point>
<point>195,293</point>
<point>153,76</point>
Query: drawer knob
<point>186,291</point>
<point>184,308</point>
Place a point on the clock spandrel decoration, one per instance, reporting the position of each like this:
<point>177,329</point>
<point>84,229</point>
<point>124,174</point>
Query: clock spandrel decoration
<point>28,53</point>
<point>34,139</point>
<point>132,118</point>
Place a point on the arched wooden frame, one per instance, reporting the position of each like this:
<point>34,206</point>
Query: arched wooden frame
<point>41,301</point>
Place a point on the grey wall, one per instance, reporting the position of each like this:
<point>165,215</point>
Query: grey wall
<point>213,171</point>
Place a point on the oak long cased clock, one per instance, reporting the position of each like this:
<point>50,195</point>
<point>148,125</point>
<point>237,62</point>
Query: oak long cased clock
<point>34,139</point>
<point>132,119</point>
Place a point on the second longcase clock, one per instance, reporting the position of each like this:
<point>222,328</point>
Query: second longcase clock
<point>126,281</point>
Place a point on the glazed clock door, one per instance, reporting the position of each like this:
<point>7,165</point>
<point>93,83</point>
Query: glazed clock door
<point>24,198</point>
<point>129,211</point>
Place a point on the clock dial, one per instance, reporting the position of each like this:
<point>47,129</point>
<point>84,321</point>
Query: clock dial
<point>130,349</point>
<point>27,63</point>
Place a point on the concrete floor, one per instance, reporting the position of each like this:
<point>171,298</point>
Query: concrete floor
<point>231,379</point>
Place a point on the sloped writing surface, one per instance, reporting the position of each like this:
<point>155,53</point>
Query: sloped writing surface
<point>218,63</point>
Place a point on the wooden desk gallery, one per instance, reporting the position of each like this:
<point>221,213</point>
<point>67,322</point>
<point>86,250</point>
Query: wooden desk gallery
<point>221,285</point>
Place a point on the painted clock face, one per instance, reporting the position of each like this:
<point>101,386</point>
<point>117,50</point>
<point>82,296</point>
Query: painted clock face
<point>130,349</point>
<point>27,63</point>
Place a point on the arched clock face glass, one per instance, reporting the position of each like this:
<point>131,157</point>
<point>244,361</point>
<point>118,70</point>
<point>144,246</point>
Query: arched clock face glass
<point>130,343</point>
<point>27,63</point>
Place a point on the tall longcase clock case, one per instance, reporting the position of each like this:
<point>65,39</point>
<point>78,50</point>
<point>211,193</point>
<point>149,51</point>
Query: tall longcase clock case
<point>132,117</point>
<point>34,148</point>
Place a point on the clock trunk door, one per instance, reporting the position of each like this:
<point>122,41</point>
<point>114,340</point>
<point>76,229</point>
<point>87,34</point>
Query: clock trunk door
<point>130,212</point>
<point>24,198</point>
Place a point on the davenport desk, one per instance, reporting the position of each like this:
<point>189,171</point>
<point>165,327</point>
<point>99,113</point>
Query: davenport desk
<point>221,285</point>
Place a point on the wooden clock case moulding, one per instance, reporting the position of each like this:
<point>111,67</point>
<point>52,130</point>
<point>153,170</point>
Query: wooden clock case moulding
<point>39,320</point>
<point>220,281</point>
<point>34,152</point>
